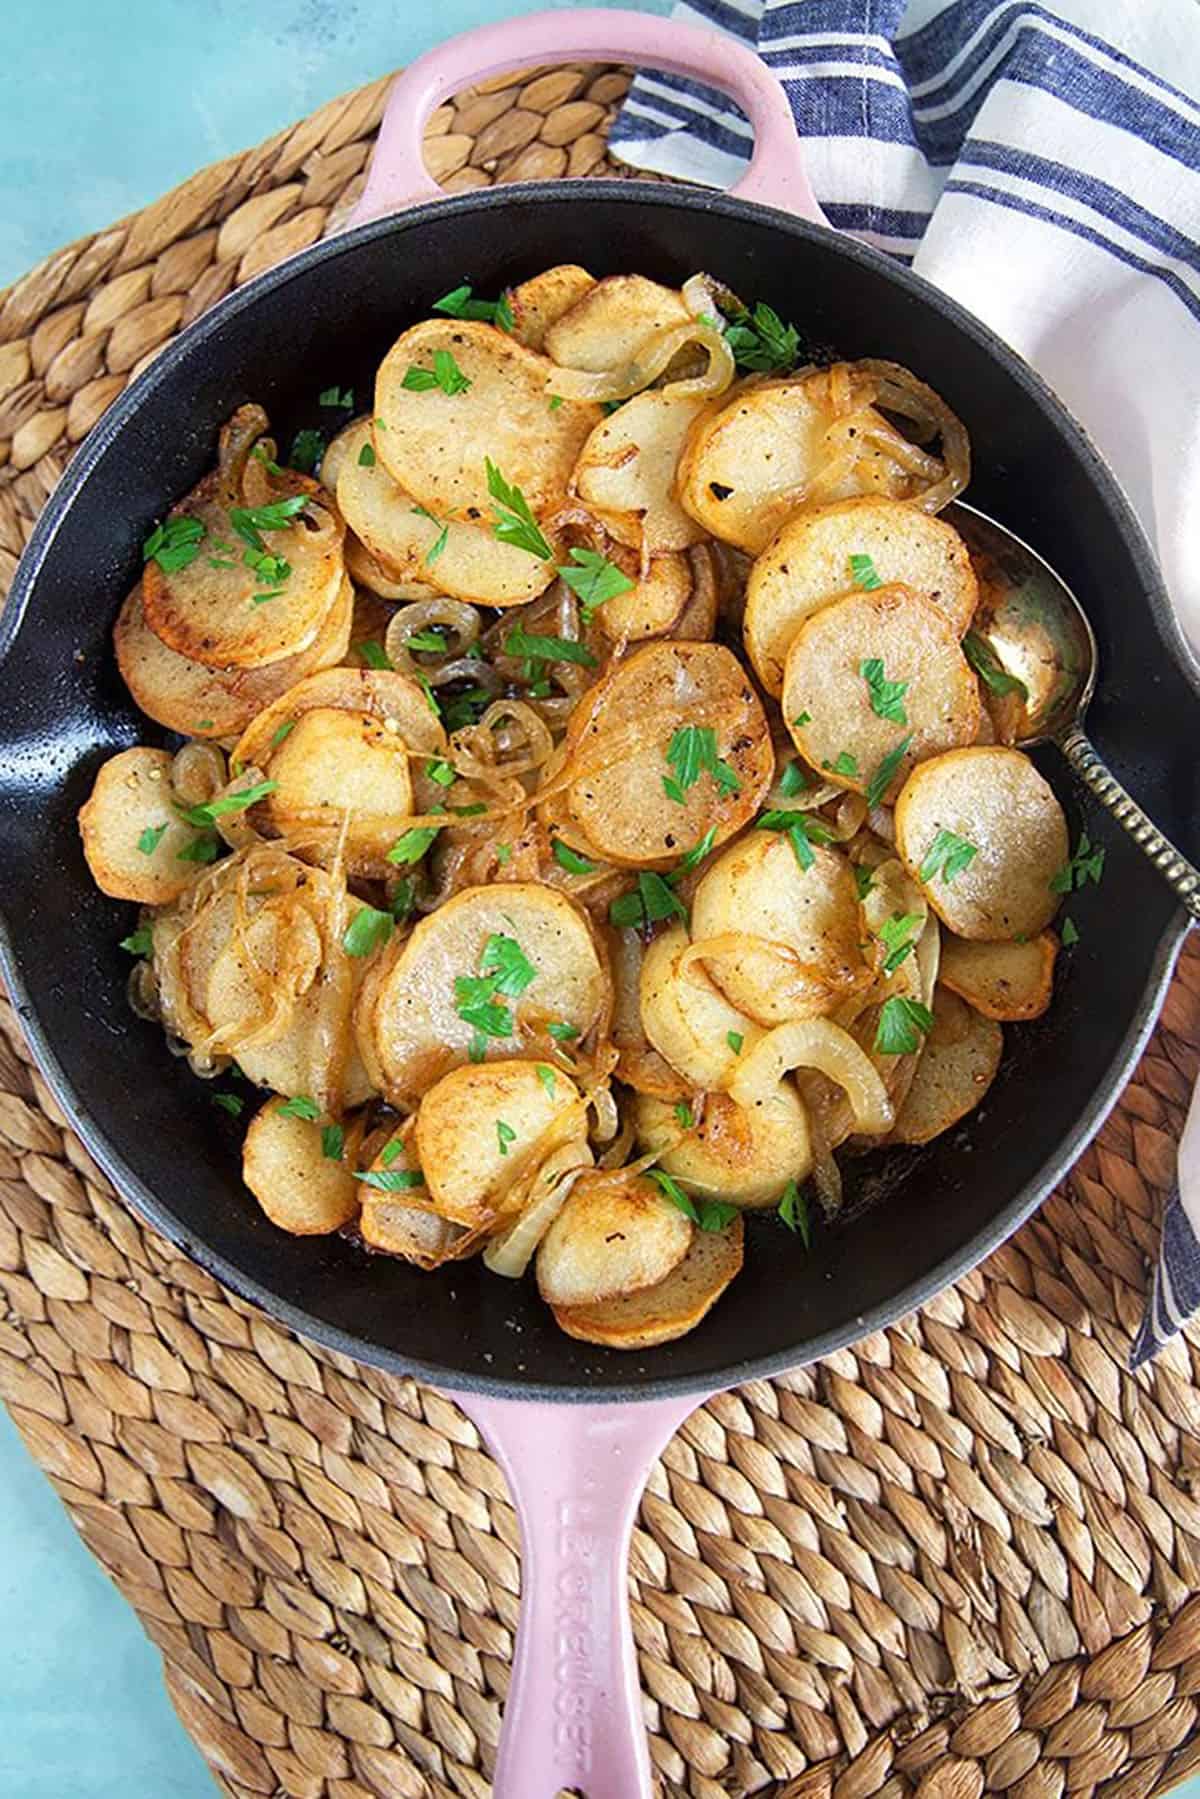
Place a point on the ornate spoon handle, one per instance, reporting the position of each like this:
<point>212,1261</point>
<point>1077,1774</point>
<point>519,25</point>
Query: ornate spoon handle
<point>1173,867</point>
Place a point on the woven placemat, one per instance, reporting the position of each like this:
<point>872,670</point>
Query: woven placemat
<point>961,1557</point>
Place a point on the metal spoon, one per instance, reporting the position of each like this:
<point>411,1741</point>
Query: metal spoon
<point>1037,632</point>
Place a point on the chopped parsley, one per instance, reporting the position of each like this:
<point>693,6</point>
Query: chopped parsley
<point>503,853</point>
<point>300,1106</point>
<point>174,544</point>
<point>251,521</point>
<point>556,401</point>
<point>684,1116</point>
<point>710,1215</point>
<point>593,579</point>
<point>411,845</point>
<point>441,771</point>
<point>693,857</point>
<point>735,1040</point>
<point>505,972</point>
<point>802,718</point>
<point>864,574</point>
<point>901,1025</point>
<point>887,697</point>
<point>139,942</point>
<point>232,1103</point>
<point>802,831</point>
<point>692,752</point>
<point>760,340</point>
<point>653,899</point>
<point>392,1180</point>
<point>987,665</point>
<point>367,931</point>
<point>392,1151</point>
<point>202,816</point>
<point>277,737</point>
<point>341,397</point>
<point>504,1135</point>
<point>547,649</point>
<point>1070,934</point>
<point>792,781</point>
<point>150,839</point>
<point>308,447</point>
<point>548,1078</point>
<point>948,855</point>
<point>843,764</point>
<point>1084,865</point>
<point>508,965</point>
<point>864,879</point>
<point>440,541</point>
<point>445,374</point>
<point>204,848</point>
<point>885,774</point>
<point>366,456</point>
<point>333,1142</point>
<point>897,935</point>
<point>571,860</point>
<point>432,642</point>
<point>561,1031</point>
<point>373,654</point>
<point>793,1211</point>
<point>513,521</point>
<point>403,899</point>
<point>460,303</point>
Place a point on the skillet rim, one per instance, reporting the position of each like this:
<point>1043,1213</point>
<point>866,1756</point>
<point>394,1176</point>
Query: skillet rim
<point>645,1387</point>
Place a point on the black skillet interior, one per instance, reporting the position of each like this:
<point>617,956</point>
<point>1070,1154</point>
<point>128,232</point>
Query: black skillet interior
<point>328,318</point>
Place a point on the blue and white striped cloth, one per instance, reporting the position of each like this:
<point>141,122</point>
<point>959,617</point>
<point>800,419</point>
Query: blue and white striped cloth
<point>1042,164</point>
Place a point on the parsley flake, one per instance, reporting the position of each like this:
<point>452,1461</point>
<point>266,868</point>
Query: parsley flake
<point>411,845</point>
<point>887,697</point>
<point>461,304</point>
<point>653,899</point>
<point>308,447</point>
<point>300,1106</point>
<point>150,839</point>
<point>513,520</point>
<point>1084,865</point>
<point>886,772</point>
<point>333,1142</point>
<point>561,1031</point>
<point>341,397</point>
<point>864,879</point>
<point>792,781</point>
<point>504,1135</point>
<point>251,521</point>
<point>684,1115</point>
<point>897,935</point>
<point>901,1025</point>
<point>547,1077</point>
<point>987,665</point>
<point>392,1180</point>
<point>445,374</point>
<point>692,752</point>
<point>793,1211</point>
<point>947,855</point>
<point>233,1103</point>
<point>373,654</point>
<point>735,1040</point>
<point>1070,934</point>
<point>174,544</point>
<point>593,579</point>
<point>366,456</point>
<point>571,860</point>
<point>547,649</point>
<point>367,930</point>
<point>864,574</point>
<point>202,816</point>
<point>139,942</point>
<point>693,857</point>
<point>760,340</point>
<point>843,764</point>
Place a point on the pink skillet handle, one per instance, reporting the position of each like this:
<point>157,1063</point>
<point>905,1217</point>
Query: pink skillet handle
<point>576,1472</point>
<point>776,176</point>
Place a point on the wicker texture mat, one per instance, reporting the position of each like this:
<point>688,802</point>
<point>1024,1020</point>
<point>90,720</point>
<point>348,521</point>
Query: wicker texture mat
<point>962,1557</point>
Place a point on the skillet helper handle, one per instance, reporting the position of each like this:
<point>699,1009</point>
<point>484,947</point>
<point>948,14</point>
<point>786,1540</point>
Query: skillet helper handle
<point>1175,869</point>
<point>573,1717</point>
<point>398,177</point>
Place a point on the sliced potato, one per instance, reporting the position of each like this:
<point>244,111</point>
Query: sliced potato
<point>384,695</point>
<point>212,609</point>
<point>375,577</point>
<point>1002,980</point>
<point>995,800</point>
<point>607,326</point>
<point>652,605</point>
<point>133,837</point>
<point>436,445</point>
<point>540,302</point>
<point>686,1016</point>
<point>619,739</point>
<point>627,469</point>
<point>697,623</point>
<point>808,563</point>
<point>957,1066</point>
<point>298,1187</point>
<point>743,1154</point>
<point>349,768</point>
<point>769,450</point>
<point>787,940</point>
<point>206,702</point>
<point>480,1128</point>
<point>402,542</point>
<point>616,1233</point>
<point>386,1223</point>
<point>671,1309</point>
<point>344,448</point>
<point>419,1033</point>
<point>831,710</point>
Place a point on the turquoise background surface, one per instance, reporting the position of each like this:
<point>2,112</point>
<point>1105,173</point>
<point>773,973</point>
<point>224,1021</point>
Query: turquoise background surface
<point>106,104</point>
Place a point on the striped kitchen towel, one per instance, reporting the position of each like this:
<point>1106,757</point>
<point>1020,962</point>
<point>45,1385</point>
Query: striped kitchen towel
<point>1042,164</point>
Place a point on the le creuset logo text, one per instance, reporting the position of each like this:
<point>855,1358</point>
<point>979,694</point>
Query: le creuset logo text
<point>574,1629</point>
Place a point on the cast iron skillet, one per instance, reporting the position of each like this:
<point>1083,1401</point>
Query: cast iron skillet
<point>327,316</point>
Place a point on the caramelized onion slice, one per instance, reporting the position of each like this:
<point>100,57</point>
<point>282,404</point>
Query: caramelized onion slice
<point>653,356</point>
<point>816,1043</point>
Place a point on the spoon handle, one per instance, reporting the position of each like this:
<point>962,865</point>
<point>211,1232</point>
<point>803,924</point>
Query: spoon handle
<point>1174,868</point>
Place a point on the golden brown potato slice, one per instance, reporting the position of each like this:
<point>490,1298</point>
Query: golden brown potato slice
<point>344,448</point>
<point>670,711</point>
<point>403,541</point>
<point>986,816</point>
<point>671,1309</point>
<point>300,1189</point>
<point>333,764</point>
<point>841,675</point>
<point>786,940</point>
<point>388,1224</point>
<point>957,1066</point>
<point>652,605</point>
<point>207,702</point>
<point>1002,980</point>
<point>540,302</point>
<point>743,1154</point>
<point>609,323</point>
<point>371,575</point>
<point>686,1016</point>
<point>616,1233</point>
<point>419,1031</point>
<point>219,610</point>
<point>397,703</point>
<point>749,464</point>
<point>133,837</point>
<point>481,1128</point>
<point>627,469</point>
<point>808,563</point>
<point>435,445</point>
